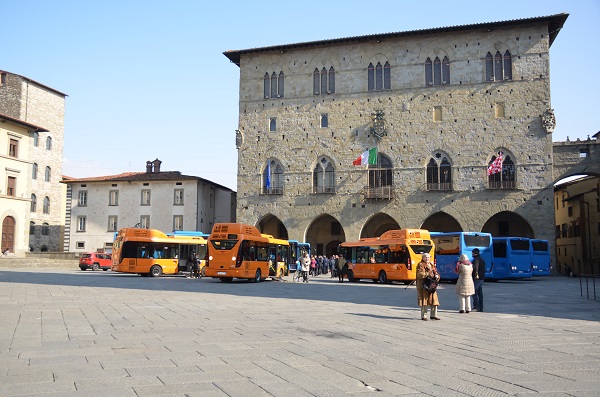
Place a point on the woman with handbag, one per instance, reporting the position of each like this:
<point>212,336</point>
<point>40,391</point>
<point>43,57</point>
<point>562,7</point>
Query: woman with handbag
<point>427,296</point>
<point>464,286</point>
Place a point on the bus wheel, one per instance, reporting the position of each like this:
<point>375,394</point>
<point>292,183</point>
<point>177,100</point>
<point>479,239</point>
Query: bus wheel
<point>382,277</point>
<point>257,276</point>
<point>203,272</point>
<point>226,279</point>
<point>155,271</point>
<point>95,267</point>
<point>350,275</point>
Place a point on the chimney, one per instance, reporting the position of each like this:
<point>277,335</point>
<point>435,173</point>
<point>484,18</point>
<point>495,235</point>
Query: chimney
<point>149,167</point>
<point>157,164</point>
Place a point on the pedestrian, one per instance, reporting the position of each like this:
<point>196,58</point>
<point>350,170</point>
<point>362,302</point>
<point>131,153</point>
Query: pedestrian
<point>464,286</point>
<point>305,264</point>
<point>325,264</point>
<point>426,268</point>
<point>313,266</point>
<point>342,267</point>
<point>333,265</point>
<point>478,279</point>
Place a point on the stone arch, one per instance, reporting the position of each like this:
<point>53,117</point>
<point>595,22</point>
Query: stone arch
<point>508,223</point>
<point>441,222</point>
<point>323,60</point>
<point>431,51</point>
<point>324,233</point>
<point>271,224</point>
<point>378,58</point>
<point>378,224</point>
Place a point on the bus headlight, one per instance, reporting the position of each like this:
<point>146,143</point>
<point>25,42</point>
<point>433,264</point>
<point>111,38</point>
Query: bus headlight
<point>233,258</point>
<point>210,258</point>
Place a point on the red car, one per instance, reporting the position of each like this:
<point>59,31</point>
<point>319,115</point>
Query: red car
<point>95,261</point>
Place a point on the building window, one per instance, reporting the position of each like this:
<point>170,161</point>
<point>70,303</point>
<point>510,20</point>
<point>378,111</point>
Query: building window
<point>80,245</point>
<point>13,148</point>
<point>437,72</point>
<point>498,67</point>
<point>49,143</point>
<point>324,120</point>
<point>273,85</point>
<point>145,197</point>
<point>439,173</point>
<point>437,113</point>
<point>273,124</point>
<point>570,211</point>
<point>2,79</point>
<point>46,209</point>
<point>45,229</point>
<point>380,179</point>
<point>272,178</point>
<point>379,77</point>
<point>34,171</point>
<point>36,139</point>
<point>112,223</point>
<point>178,222</point>
<point>33,206</point>
<point>113,197</point>
<point>324,81</point>
<point>145,221</point>
<point>505,179</point>
<point>48,174</point>
<point>81,223</point>
<point>178,199</point>
<point>31,228</point>
<point>11,186</point>
<point>83,198</point>
<point>499,113</point>
<point>324,177</point>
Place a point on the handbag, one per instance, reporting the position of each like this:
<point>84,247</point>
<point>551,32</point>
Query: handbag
<point>430,284</point>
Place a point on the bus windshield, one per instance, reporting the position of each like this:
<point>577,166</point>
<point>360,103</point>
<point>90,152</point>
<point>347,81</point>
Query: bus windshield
<point>519,245</point>
<point>477,240</point>
<point>223,245</point>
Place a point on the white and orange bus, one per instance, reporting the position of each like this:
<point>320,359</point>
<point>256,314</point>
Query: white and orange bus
<point>150,252</point>
<point>237,250</point>
<point>391,257</point>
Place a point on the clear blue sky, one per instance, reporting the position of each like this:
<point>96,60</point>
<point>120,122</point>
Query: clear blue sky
<point>147,79</point>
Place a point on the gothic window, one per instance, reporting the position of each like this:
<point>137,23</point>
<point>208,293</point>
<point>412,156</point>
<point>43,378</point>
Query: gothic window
<point>379,77</point>
<point>439,173</point>
<point>49,143</point>
<point>498,67</point>
<point>324,120</point>
<point>33,206</point>
<point>272,178</point>
<point>34,171</point>
<point>273,85</point>
<point>505,179</point>
<point>36,139</point>
<point>46,205</point>
<point>446,70</point>
<point>273,124</point>
<point>324,81</point>
<point>48,174</point>
<point>437,72</point>
<point>324,177</point>
<point>428,72</point>
<point>380,179</point>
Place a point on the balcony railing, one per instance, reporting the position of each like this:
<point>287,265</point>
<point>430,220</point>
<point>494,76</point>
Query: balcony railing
<point>273,190</point>
<point>502,185</point>
<point>439,186</point>
<point>323,189</point>
<point>379,192</point>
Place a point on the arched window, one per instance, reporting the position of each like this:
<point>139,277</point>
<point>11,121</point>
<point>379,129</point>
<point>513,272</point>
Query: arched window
<point>34,171</point>
<point>428,72</point>
<point>380,179</point>
<point>437,72</point>
<point>49,143</point>
<point>33,206</point>
<point>32,228</point>
<point>267,85</point>
<point>280,85</point>
<point>324,81</point>
<point>379,77</point>
<point>45,229</point>
<point>507,65</point>
<point>370,77</point>
<point>324,76</point>
<point>316,82</point>
<point>46,205</point>
<point>439,173</point>
<point>273,85</point>
<point>48,174</point>
<point>273,177</point>
<point>498,67</point>
<point>324,177</point>
<point>446,70</point>
<point>505,179</point>
<point>331,80</point>
<point>36,139</point>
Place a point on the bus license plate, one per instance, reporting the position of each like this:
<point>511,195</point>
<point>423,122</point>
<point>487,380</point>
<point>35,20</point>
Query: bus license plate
<point>221,273</point>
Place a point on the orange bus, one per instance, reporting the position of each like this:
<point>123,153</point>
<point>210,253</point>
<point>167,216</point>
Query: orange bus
<point>237,250</point>
<point>391,257</point>
<point>150,252</point>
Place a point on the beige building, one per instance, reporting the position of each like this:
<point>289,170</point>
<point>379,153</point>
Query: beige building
<point>97,207</point>
<point>31,102</point>
<point>15,185</point>
<point>438,105</point>
<point>577,206</point>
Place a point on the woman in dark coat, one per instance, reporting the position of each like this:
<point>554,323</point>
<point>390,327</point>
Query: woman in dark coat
<point>427,268</point>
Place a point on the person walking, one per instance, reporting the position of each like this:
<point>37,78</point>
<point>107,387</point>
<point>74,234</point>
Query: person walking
<point>341,267</point>
<point>478,279</point>
<point>305,264</point>
<point>464,286</point>
<point>426,268</point>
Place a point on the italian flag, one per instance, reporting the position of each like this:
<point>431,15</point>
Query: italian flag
<point>368,157</point>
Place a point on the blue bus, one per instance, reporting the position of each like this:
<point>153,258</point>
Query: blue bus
<point>512,258</point>
<point>450,245</point>
<point>297,250</point>
<point>540,258</point>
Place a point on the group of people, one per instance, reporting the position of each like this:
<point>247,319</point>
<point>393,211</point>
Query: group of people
<point>471,276</point>
<point>315,265</point>
<point>194,263</point>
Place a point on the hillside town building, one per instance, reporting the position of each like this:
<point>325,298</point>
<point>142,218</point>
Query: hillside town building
<point>439,106</point>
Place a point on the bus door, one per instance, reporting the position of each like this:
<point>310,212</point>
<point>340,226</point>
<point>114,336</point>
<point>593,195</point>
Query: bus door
<point>540,258</point>
<point>501,268</point>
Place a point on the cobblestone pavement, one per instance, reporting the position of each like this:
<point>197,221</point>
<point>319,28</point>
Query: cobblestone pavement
<point>67,333</point>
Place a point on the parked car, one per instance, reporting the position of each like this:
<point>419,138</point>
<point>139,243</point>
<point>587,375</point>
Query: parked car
<point>95,261</point>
